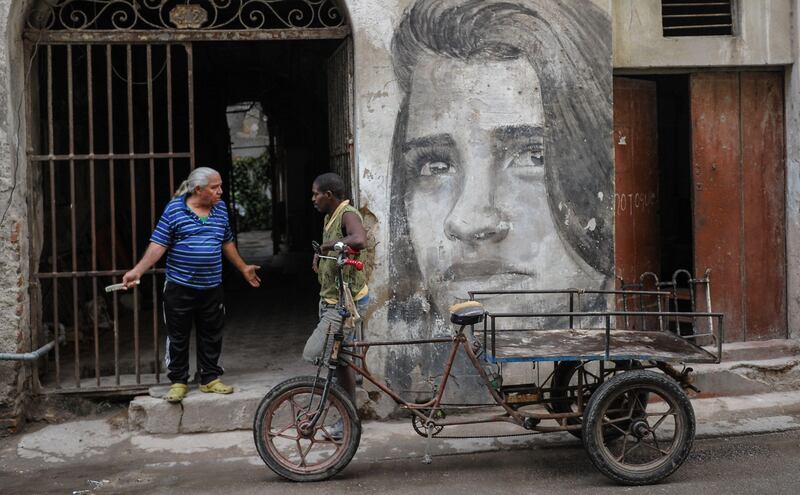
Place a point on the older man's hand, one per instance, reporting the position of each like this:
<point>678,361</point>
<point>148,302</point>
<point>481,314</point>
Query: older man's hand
<point>130,278</point>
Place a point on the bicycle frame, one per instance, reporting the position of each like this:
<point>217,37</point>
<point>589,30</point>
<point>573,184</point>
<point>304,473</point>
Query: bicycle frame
<point>458,341</point>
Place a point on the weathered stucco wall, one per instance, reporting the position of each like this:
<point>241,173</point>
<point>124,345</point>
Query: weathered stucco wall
<point>14,232</point>
<point>764,37</point>
<point>793,184</point>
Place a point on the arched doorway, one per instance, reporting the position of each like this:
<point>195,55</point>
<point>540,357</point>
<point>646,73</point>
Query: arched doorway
<point>126,97</point>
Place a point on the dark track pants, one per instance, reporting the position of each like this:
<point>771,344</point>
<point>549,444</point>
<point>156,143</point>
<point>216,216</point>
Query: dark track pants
<point>206,309</point>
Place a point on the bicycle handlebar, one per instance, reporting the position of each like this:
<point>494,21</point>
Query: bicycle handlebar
<point>340,246</point>
<point>358,265</point>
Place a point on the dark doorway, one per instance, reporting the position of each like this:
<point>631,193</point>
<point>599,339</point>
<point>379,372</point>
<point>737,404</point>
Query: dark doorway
<point>674,174</point>
<point>671,123</point>
<point>267,328</point>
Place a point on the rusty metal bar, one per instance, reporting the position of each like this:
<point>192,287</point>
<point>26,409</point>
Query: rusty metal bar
<point>112,202</point>
<point>53,232</point>
<point>696,4</point>
<point>152,200</point>
<point>699,26</point>
<point>571,308</point>
<point>93,212</point>
<point>108,156</point>
<point>169,119</point>
<point>132,173</point>
<point>97,273</point>
<point>184,36</point>
<point>190,83</point>
<point>72,216</point>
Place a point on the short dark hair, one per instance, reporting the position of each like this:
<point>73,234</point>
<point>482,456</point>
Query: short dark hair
<point>331,182</point>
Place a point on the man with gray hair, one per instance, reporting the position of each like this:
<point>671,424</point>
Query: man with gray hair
<point>195,231</point>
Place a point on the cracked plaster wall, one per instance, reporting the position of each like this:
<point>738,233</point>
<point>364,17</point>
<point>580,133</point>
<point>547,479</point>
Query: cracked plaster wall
<point>14,230</point>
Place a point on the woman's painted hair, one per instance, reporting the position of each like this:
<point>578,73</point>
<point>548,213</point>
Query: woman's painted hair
<point>569,46</point>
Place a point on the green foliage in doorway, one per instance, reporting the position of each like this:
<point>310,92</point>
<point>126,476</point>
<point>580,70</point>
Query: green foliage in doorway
<point>252,192</point>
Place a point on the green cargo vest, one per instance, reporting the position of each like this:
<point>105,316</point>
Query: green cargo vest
<point>329,289</point>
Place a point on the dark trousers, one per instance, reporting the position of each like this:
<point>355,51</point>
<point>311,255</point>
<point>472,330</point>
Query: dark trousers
<point>206,309</point>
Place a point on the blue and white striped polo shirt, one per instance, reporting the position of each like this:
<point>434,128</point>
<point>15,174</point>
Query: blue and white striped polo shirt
<point>195,247</point>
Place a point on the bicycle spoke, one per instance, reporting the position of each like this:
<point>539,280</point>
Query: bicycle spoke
<point>616,420</point>
<point>637,400</point>
<point>280,433</point>
<point>300,451</point>
<point>671,412</point>
<point>635,446</point>
<point>621,458</point>
<point>653,447</point>
<point>612,424</point>
<point>655,439</point>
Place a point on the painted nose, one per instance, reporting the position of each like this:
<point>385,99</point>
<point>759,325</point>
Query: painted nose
<point>474,219</point>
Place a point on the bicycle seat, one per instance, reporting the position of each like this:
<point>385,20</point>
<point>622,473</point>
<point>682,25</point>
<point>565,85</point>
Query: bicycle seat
<point>467,313</point>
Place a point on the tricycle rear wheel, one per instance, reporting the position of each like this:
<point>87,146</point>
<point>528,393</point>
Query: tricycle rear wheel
<point>654,437</point>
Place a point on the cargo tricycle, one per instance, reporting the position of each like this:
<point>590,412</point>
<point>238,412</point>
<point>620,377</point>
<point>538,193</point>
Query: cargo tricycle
<point>615,379</point>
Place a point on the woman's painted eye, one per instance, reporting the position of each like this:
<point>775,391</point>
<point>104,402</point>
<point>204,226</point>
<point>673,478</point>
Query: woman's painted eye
<point>527,158</point>
<point>436,168</point>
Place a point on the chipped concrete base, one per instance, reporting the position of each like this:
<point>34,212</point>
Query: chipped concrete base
<point>749,377</point>
<point>752,368</point>
<point>201,412</point>
<point>198,412</point>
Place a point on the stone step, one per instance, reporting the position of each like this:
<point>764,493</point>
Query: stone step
<point>748,377</point>
<point>200,412</point>
<point>758,350</point>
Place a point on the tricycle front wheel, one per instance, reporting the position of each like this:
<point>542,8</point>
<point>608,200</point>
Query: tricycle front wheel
<point>654,421</point>
<point>290,446</point>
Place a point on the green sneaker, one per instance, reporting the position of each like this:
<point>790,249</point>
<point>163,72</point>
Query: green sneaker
<point>176,392</point>
<point>216,387</point>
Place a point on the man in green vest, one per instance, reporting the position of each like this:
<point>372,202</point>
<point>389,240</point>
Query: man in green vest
<point>343,223</point>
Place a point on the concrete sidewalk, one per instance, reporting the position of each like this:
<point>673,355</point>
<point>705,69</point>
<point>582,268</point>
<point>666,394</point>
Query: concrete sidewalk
<point>83,441</point>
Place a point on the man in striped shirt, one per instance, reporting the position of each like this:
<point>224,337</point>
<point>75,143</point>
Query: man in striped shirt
<point>194,232</point>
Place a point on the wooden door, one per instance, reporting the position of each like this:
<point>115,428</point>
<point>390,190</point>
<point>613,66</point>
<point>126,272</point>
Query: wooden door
<point>738,196</point>
<point>636,230</point>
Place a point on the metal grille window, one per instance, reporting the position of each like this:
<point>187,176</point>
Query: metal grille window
<point>697,17</point>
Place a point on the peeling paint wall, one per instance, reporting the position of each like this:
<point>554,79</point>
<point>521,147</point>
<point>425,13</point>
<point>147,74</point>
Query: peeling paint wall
<point>793,183</point>
<point>14,229</point>
<point>763,37</point>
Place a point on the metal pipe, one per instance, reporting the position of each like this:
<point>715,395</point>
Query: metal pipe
<point>31,356</point>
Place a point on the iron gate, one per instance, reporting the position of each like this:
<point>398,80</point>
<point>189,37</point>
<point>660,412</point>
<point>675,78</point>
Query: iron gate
<point>111,125</point>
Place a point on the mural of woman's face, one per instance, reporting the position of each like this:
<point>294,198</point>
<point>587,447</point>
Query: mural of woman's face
<point>476,199</point>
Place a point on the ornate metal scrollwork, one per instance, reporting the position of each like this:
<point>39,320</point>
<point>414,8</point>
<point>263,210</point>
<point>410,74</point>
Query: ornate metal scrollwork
<point>206,15</point>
